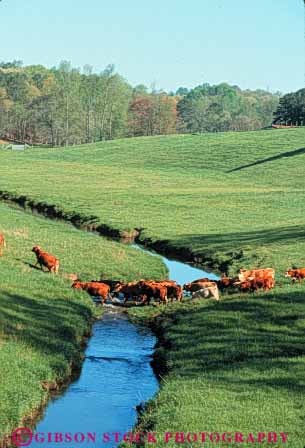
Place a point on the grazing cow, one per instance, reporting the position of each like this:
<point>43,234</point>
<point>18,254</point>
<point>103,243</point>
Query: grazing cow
<point>203,284</point>
<point>255,274</point>
<point>45,259</point>
<point>2,243</point>
<point>296,274</point>
<point>94,289</point>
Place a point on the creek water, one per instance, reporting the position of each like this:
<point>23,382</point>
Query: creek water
<point>116,376</point>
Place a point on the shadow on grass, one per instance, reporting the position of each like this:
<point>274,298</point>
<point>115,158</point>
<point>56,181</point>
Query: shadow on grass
<point>256,237</point>
<point>30,265</point>
<point>256,340</point>
<point>54,328</point>
<point>295,152</point>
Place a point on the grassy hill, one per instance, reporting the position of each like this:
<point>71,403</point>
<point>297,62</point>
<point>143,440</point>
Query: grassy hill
<point>42,320</point>
<point>234,199</point>
<point>233,366</point>
<point>225,196</point>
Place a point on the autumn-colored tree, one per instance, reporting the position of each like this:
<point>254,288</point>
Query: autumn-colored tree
<point>64,106</point>
<point>152,114</point>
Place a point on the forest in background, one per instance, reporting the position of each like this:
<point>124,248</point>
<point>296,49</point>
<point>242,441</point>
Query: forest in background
<point>65,105</point>
<point>291,109</point>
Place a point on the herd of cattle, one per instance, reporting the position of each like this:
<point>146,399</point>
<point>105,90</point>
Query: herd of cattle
<point>143,291</point>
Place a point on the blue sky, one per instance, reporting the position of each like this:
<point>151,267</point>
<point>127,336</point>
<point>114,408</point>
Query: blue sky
<point>172,43</point>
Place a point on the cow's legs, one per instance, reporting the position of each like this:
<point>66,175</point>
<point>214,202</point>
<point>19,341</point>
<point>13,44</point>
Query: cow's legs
<point>110,297</point>
<point>127,296</point>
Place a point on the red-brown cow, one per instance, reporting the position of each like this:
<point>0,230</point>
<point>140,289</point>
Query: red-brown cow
<point>2,243</point>
<point>256,284</point>
<point>94,289</point>
<point>45,259</point>
<point>174,291</point>
<point>226,283</point>
<point>151,289</point>
<point>131,290</point>
<point>296,274</point>
<point>255,274</point>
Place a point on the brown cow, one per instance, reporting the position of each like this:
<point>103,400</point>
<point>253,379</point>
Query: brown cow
<point>226,283</point>
<point>252,285</point>
<point>152,289</point>
<point>246,286</point>
<point>296,274</point>
<point>174,291</point>
<point>45,259</point>
<point>2,243</point>
<point>94,289</point>
<point>112,283</point>
<point>204,279</point>
<point>255,274</point>
<point>131,290</point>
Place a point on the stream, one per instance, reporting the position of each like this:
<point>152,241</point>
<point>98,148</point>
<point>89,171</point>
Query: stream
<point>116,376</point>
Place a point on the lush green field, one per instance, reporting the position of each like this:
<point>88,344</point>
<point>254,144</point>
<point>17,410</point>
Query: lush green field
<point>234,366</point>
<point>43,320</point>
<point>237,365</point>
<point>216,194</point>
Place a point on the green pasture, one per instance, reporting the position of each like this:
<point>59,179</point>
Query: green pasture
<point>233,366</point>
<point>224,196</point>
<point>42,320</point>
<point>234,198</point>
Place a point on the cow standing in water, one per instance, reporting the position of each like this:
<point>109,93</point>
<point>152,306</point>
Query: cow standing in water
<point>94,289</point>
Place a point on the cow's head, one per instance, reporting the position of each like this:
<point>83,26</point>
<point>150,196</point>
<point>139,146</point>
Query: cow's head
<point>187,286</point>
<point>290,273</point>
<point>77,285</point>
<point>118,287</point>
<point>226,281</point>
<point>36,249</point>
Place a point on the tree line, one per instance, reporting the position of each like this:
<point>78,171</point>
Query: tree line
<point>64,105</point>
<point>291,109</point>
